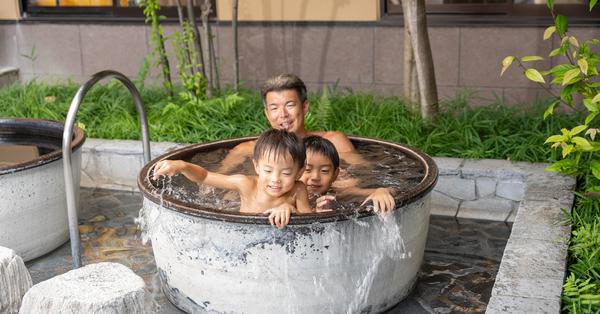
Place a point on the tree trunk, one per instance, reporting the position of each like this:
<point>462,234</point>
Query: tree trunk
<point>236,55</point>
<point>209,78</point>
<point>411,88</point>
<point>198,43</point>
<point>211,47</point>
<point>416,18</point>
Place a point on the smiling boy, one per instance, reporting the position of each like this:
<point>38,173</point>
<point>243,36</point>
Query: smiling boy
<point>278,160</point>
<point>322,170</point>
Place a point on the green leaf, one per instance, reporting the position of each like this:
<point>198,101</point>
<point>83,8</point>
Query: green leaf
<point>570,76</point>
<point>573,41</point>
<point>583,65</point>
<point>551,108</point>
<point>550,4</point>
<point>506,62</point>
<point>595,166</point>
<point>531,58</point>
<point>582,143</point>
<point>596,98</point>
<point>590,105</point>
<point>561,25</point>
<point>591,117</point>
<point>578,129</point>
<point>554,139</point>
<point>534,75</point>
<point>567,150</point>
<point>565,166</point>
<point>554,52</point>
<point>593,4</point>
<point>549,31</point>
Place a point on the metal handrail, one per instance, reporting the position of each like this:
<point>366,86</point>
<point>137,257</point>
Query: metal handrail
<point>66,147</point>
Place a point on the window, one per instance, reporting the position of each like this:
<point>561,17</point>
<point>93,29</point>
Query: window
<point>502,11</point>
<point>100,8</point>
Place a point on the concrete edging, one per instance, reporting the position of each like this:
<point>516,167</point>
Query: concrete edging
<point>533,265</point>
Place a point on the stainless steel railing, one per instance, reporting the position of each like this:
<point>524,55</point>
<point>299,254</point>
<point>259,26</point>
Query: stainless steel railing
<point>66,147</point>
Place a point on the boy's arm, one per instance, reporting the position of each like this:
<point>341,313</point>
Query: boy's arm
<point>302,205</point>
<point>383,199</point>
<point>200,175</point>
<point>236,156</point>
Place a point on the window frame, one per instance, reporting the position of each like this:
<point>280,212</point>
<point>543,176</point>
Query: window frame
<point>495,14</point>
<point>114,12</point>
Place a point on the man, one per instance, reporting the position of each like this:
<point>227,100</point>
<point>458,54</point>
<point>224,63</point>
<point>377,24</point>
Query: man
<point>285,106</point>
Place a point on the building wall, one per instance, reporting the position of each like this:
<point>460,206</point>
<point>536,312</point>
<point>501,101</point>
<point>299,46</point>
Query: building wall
<point>306,10</point>
<point>360,56</point>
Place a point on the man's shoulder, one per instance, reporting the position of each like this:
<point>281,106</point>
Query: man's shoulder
<point>244,147</point>
<point>331,135</point>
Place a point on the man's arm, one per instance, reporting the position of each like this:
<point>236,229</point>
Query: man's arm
<point>236,156</point>
<point>345,148</point>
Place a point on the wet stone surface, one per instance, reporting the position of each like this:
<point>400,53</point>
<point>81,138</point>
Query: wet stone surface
<point>461,258</point>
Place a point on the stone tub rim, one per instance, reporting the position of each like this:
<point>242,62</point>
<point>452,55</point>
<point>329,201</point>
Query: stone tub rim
<point>36,127</point>
<point>421,189</point>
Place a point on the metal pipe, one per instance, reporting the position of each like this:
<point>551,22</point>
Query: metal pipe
<point>66,147</point>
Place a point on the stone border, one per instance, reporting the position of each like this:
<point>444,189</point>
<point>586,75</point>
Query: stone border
<point>533,266</point>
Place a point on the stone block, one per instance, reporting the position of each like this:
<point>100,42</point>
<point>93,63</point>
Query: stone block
<point>448,166</point>
<point>519,305</point>
<point>100,288</point>
<point>14,281</point>
<point>533,259</point>
<point>542,220</point>
<point>443,205</point>
<point>454,186</point>
<point>512,190</point>
<point>485,187</point>
<point>542,288</point>
<point>491,168</point>
<point>486,208</point>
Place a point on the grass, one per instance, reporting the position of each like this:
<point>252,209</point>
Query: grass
<point>495,131</point>
<point>107,112</point>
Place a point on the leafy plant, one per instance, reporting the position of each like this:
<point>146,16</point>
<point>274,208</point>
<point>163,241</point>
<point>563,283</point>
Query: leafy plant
<point>151,8</point>
<point>576,74</point>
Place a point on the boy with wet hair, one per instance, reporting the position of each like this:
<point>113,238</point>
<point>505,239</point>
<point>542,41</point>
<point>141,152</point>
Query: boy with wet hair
<point>322,170</point>
<point>278,159</point>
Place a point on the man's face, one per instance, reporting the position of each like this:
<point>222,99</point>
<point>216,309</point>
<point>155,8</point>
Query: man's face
<point>284,111</point>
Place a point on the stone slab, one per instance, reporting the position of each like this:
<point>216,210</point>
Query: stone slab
<point>443,205</point>
<point>486,208</point>
<point>485,186</point>
<point>519,305</point>
<point>448,166</point>
<point>512,190</point>
<point>491,168</point>
<point>542,220</point>
<point>454,186</point>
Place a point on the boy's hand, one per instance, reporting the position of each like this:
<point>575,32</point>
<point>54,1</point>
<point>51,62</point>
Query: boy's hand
<point>168,167</point>
<point>280,216</point>
<point>383,201</point>
<point>323,201</point>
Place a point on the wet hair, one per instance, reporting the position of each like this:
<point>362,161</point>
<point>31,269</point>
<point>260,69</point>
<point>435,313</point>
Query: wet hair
<point>275,143</point>
<point>324,147</point>
<point>283,82</point>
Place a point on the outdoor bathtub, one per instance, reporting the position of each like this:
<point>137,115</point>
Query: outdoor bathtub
<point>33,207</point>
<point>212,261</point>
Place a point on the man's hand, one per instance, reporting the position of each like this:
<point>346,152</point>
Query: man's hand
<point>383,201</point>
<point>280,216</point>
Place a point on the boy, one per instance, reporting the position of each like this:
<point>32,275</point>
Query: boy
<point>278,160</point>
<point>322,169</point>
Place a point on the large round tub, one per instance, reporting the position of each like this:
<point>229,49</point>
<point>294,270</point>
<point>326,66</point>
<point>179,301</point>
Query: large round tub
<point>213,261</point>
<point>33,206</point>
